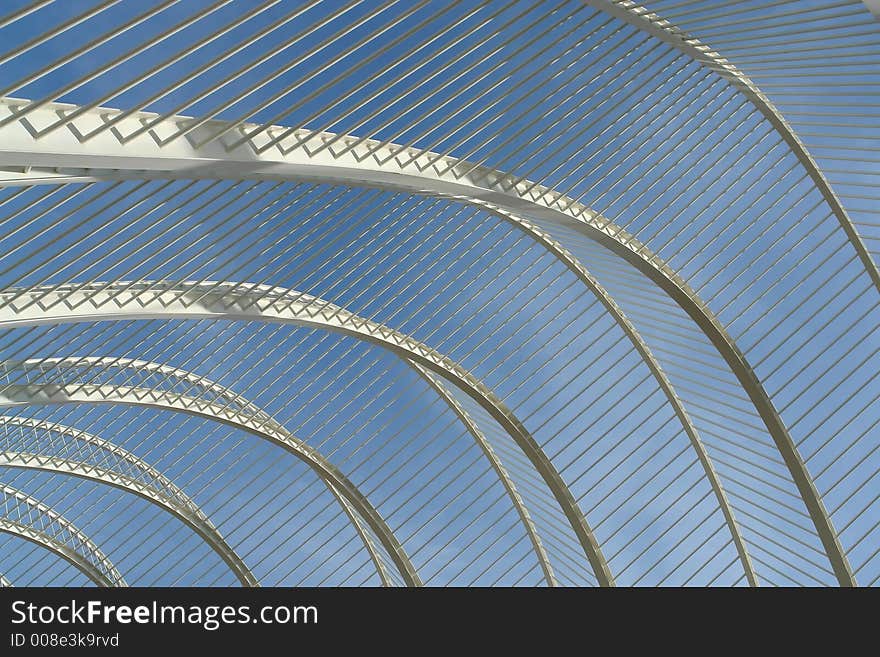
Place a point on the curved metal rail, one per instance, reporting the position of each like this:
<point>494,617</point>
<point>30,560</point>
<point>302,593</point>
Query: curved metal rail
<point>114,466</point>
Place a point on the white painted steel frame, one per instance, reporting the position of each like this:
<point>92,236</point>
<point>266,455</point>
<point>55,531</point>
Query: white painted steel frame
<point>172,499</point>
<point>655,25</point>
<point>244,301</point>
<point>69,542</point>
<point>644,351</point>
<point>61,156</point>
<point>305,156</point>
<point>180,505</point>
<point>509,486</point>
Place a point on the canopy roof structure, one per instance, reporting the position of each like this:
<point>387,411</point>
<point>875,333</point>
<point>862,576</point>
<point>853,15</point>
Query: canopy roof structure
<point>384,293</point>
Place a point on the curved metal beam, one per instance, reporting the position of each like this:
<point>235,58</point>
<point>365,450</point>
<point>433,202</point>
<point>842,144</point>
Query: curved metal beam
<point>641,347</point>
<point>655,25</point>
<point>506,481</point>
<point>627,247</point>
<point>633,252</point>
<point>304,155</point>
<point>125,301</point>
<point>57,534</point>
<point>158,489</point>
<point>372,550</point>
<point>247,418</point>
<point>172,499</point>
<point>4,582</point>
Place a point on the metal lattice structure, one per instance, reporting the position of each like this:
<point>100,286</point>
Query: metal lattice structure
<point>42,445</point>
<point>499,293</point>
<point>27,518</point>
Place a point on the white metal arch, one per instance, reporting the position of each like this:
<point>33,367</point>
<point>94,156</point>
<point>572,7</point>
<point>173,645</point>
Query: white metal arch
<point>145,481</point>
<point>303,155</point>
<point>364,534</point>
<point>245,417</point>
<point>657,26</point>
<point>32,520</point>
<point>4,582</point>
<point>166,489</point>
<point>122,301</point>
